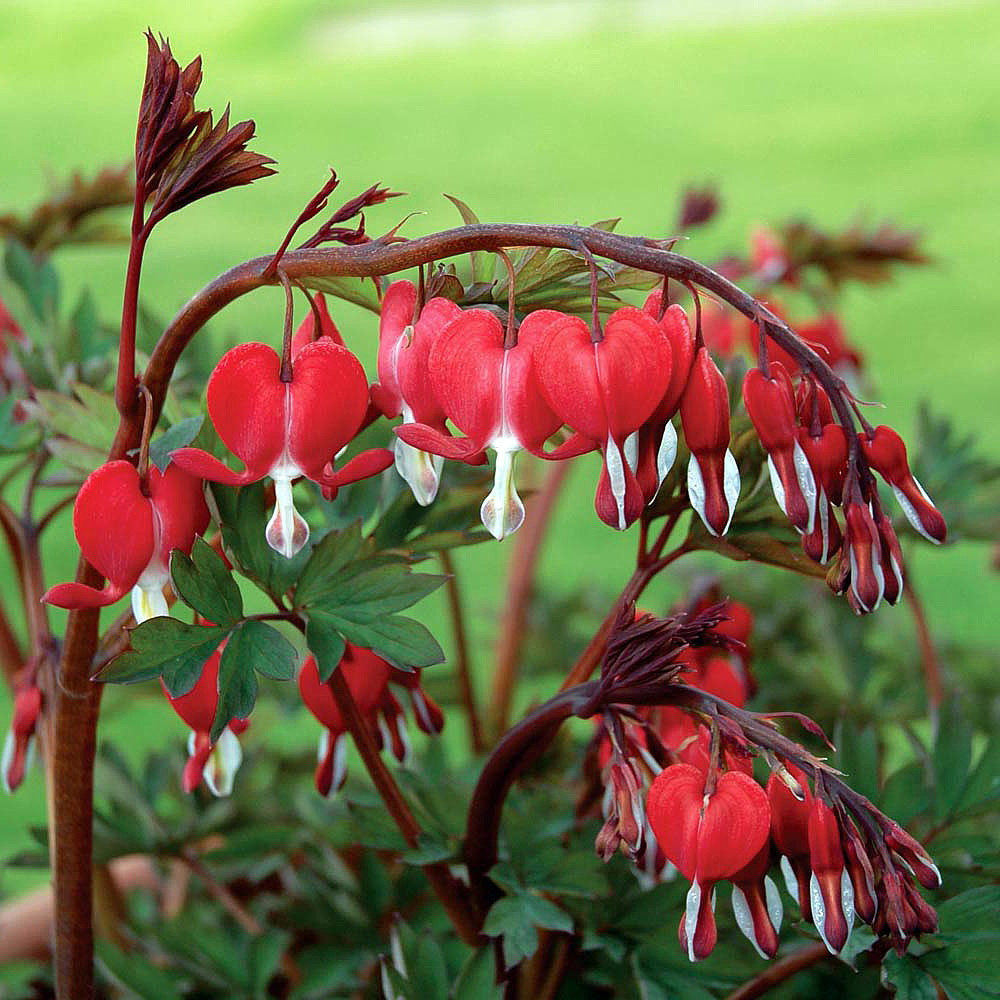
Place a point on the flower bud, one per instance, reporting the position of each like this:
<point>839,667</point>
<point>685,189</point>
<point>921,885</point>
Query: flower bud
<point>770,403</point>
<point>831,893</point>
<point>18,748</point>
<point>886,454</point>
<point>713,476</point>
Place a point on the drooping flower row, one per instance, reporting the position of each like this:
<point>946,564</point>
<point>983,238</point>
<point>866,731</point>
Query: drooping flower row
<point>679,799</point>
<point>617,389</point>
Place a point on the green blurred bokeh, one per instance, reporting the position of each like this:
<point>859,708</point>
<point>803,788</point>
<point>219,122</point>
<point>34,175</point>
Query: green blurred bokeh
<point>557,112</point>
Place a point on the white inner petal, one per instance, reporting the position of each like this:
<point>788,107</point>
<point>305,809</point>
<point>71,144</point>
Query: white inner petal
<point>631,450</point>
<point>667,453</point>
<point>223,763</point>
<point>502,512</point>
<point>730,485</point>
<point>692,906</point>
<point>807,482</point>
<point>616,475</point>
<point>774,908</point>
<point>420,470</point>
<point>911,514</point>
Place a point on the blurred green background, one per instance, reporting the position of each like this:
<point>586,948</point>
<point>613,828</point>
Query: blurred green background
<point>557,112</point>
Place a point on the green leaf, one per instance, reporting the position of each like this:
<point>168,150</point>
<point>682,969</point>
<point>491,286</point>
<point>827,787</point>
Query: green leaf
<point>546,914</point>
<point>325,643</point>
<point>329,557</point>
<point>204,583</point>
<point>974,914</point>
<point>361,291</point>
<point>983,785</point>
<point>91,339</point>
<point>483,264</point>
<point>135,974</point>
<point>167,647</point>
<point>237,681</point>
<point>476,980</point>
<point>14,437</point>
<point>509,918</point>
<point>367,590</point>
<point>404,642</point>
<point>966,970</point>
<point>952,756</point>
<point>91,419</point>
<point>271,654</point>
<point>36,277</point>
<point>244,517</point>
<point>178,436</point>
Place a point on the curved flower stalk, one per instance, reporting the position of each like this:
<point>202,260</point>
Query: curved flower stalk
<point>284,429</point>
<point>216,763</point>
<point>489,390</point>
<point>605,388</point>
<point>404,386</point>
<point>127,532</point>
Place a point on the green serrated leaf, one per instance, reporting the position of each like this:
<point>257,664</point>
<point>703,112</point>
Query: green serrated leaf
<point>91,420</point>
<point>237,680</point>
<point>179,436</point>
<point>167,647</point>
<point>271,654</point>
<point>380,590</point>
<point>971,915</point>
<point>509,918</point>
<point>483,264</point>
<point>135,974</point>
<point>362,292</point>
<point>329,557</point>
<point>204,583</point>
<point>243,518</point>
<point>86,325</point>
<point>404,642</point>
<point>325,643</point>
<point>476,980</point>
<point>952,756</point>
<point>36,277</point>
<point>546,914</point>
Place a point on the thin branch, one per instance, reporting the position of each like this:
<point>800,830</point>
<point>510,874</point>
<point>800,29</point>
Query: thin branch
<point>463,665</point>
<point>221,894</point>
<point>11,655</point>
<point>928,651</point>
<point>776,973</point>
<point>520,586</point>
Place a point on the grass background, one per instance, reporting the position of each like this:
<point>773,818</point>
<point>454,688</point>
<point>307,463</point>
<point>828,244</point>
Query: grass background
<point>556,112</point>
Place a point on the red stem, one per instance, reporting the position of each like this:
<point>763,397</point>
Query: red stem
<point>125,384</point>
<point>779,971</point>
<point>520,585</point>
<point>463,665</point>
<point>452,894</point>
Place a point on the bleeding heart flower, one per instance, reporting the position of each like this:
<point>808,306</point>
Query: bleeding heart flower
<point>216,762</point>
<point>713,476</point>
<point>831,893</point>
<point>405,383</point>
<point>490,392</point>
<point>863,547</point>
<point>367,675</point>
<point>770,403</point>
<point>657,438</point>
<point>708,837</point>
<point>606,391</point>
<point>18,747</point>
<point>757,903</point>
<point>285,430</point>
<point>127,535</point>
<point>886,454</point>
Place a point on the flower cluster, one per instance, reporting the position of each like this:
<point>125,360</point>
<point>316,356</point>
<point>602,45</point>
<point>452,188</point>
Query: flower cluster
<point>681,796</point>
<point>370,680</point>
<point>615,387</point>
<point>815,466</point>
